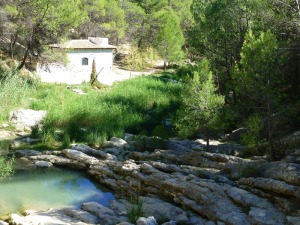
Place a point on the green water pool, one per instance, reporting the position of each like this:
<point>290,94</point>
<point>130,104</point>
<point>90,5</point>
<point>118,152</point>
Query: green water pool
<point>42,189</point>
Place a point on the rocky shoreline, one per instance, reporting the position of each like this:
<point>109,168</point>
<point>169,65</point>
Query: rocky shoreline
<point>200,187</point>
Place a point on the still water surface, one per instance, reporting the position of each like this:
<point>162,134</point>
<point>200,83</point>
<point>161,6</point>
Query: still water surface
<point>49,188</point>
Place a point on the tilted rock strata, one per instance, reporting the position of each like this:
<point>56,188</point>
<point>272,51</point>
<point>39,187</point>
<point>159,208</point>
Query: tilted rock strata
<point>218,202</point>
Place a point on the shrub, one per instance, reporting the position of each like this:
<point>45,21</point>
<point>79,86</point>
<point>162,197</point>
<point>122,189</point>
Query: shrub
<point>6,167</point>
<point>251,171</point>
<point>144,143</point>
<point>251,137</point>
<point>13,91</point>
<point>136,209</point>
<point>140,59</point>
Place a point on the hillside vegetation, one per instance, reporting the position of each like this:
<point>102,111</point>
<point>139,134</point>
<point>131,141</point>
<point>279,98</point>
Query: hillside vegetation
<point>244,66</point>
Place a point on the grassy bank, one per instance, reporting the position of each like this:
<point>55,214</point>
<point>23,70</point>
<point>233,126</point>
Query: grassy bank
<point>135,106</point>
<point>14,91</point>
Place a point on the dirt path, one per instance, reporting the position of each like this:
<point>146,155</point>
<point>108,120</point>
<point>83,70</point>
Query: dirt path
<point>119,74</point>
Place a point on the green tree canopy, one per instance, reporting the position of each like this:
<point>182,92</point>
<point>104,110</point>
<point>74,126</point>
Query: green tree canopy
<point>201,104</point>
<point>106,18</point>
<point>258,78</point>
<point>38,23</point>
<point>169,39</point>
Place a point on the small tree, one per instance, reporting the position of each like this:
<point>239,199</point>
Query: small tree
<point>170,39</point>
<point>258,79</point>
<point>201,104</point>
<point>94,72</point>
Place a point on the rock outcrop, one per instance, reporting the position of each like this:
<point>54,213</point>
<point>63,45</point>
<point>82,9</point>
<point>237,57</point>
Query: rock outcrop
<point>212,186</point>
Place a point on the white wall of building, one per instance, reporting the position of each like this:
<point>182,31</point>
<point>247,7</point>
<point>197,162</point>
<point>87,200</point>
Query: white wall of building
<point>74,72</point>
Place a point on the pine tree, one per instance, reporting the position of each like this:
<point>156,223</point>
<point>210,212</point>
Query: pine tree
<point>258,79</point>
<point>201,104</point>
<point>169,40</point>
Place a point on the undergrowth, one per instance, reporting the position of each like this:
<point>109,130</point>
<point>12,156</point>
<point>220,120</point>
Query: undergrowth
<point>6,167</point>
<point>14,91</point>
<point>136,106</point>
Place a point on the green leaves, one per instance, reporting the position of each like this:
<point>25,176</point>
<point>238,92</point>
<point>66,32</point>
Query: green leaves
<point>169,40</point>
<point>105,18</point>
<point>6,167</point>
<point>257,75</point>
<point>201,103</point>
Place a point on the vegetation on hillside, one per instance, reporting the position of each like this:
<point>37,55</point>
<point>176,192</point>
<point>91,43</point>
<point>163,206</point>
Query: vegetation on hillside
<point>252,47</point>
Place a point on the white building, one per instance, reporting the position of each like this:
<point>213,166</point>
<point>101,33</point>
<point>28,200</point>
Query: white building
<point>81,54</point>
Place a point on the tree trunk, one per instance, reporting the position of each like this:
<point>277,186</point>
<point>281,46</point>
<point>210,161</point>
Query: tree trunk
<point>207,139</point>
<point>13,40</point>
<point>165,65</point>
<point>271,145</point>
<point>24,59</point>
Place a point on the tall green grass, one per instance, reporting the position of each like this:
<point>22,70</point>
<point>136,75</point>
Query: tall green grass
<point>14,91</point>
<point>136,106</point>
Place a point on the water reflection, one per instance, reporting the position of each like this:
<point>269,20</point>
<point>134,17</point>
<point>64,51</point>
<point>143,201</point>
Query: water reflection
<point>49,188</point>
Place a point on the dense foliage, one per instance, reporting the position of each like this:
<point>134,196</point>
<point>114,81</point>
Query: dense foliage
<point>252,47</point>
<point>137,106</point>
<point>6,167</point>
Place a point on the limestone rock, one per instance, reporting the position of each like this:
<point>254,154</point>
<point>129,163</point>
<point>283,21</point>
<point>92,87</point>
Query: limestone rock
<point>279,187</point>
<point>163,210</point>
<point>293,220</point>
<point>170,223</point>
<point>89,151</point>
<point>120,207</point>
<point>23,141</point>
<point>26,153</point>
<point>43,164</point>
<point>288,172</point>
<point>79,156</point>
<point>261,211</point>
<point>107,216</point>
<point>210,223</point>
<point>25,119</point>
<point>125,223</point>
<point>50,217</point>
<point>59,161</point>
<point>81,215</point>
<point>3,223</point>
<point>235,135</point>
<point>116,142</point>
<point>146,221</point>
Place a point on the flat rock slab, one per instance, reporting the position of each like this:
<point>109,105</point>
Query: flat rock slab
<point>51,217</point>
<point>25,119</point>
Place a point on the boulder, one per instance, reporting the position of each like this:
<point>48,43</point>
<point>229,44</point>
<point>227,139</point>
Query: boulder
<point>43,164</point>
<point>235,135</point>
<point>25,119</point>
<point>164,211</point>
<point>80,156</point>
<point>106,215</point>
<point>146,221</point>
<point>3,223</point>
<point>81,215</point>
<point>26,153</point>
<point>116,142</point>
<point>89,151</point>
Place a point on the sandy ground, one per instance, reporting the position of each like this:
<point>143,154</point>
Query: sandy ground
<point>119,74</point>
